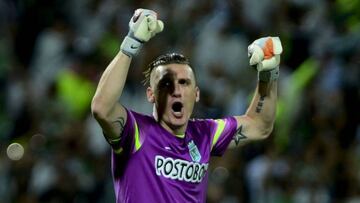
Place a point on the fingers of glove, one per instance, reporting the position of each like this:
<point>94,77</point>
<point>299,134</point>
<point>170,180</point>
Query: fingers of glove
<point>277,45</point>
<point>147,12</point>
<point>271,46</point>
<point>142,13</point>
<point>266,44</point>
<point>139,16</point>
<point>154,26</point>
<point>269,64</point>
<point>144,24</point>
<point>152,23</point>
<point>268,48</point>
<point>255,53</point>
<point>141,31</point>
<point>261,41</point>
<point>160,26</point>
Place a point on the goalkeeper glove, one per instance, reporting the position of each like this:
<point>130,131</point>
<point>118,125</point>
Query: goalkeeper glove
<point>265,54</point>
<point>142,26</point>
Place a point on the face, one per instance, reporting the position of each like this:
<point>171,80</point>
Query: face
<point>174,92</point>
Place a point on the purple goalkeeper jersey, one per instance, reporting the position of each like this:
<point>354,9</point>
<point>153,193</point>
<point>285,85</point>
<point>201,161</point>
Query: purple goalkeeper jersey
<point>154,166</point>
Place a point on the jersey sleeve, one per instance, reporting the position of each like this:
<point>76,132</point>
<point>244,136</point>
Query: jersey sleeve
<point>130,138</point>
<point>222,132</point>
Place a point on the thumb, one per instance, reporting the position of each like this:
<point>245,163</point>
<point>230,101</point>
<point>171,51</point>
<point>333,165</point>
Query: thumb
<point>255,53</point>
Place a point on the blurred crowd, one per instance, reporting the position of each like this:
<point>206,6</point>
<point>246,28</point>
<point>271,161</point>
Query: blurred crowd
<point>52,54</point>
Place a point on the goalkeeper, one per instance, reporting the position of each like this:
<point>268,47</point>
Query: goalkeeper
<point>164,157</point>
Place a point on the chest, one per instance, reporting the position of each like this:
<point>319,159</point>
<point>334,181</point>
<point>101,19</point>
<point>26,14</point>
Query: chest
<point>190,148</point>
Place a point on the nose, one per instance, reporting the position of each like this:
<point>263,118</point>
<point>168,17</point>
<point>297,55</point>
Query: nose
<point>177,90</point>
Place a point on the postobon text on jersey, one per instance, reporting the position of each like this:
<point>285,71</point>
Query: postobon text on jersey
<point>179,169</point>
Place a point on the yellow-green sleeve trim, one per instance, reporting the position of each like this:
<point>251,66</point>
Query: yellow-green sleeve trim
<point>219,130</point>
<point>137,138</point>
<point>118,151</point>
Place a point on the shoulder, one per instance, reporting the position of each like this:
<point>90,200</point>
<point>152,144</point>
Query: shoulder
<point>201,125</point>
<point>208,121</point>
<point>212,124</point>
<point>200,121</point>
<point>139,118</point>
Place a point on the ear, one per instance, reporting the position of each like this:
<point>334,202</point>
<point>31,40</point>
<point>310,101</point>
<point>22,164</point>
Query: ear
<point>197,92</point>
<point>150,95</point>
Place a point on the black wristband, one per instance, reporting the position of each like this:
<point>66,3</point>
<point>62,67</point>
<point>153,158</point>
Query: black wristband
<point>269,75</point>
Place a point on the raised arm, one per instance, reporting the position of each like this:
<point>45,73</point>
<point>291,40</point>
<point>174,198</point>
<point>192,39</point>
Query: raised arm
<point>257,123</point>
<point>109,113</point>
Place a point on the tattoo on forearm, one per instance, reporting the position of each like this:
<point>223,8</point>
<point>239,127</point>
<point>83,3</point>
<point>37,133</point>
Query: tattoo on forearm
<point>121,122</point>
<point>260,104</point>
<point>239,136</point>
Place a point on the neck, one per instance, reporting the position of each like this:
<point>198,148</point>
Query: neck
<point>177,131</point>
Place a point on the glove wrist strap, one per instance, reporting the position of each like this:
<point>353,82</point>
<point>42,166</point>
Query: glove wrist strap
<point>269,75</point>
<point>130,46</point>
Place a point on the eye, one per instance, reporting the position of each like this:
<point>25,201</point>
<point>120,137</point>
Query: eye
<point>184,82</point>
<point>166,83</point>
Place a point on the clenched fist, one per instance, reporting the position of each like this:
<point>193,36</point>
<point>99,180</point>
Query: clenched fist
<point>143,26</point>
<point>265,54</point>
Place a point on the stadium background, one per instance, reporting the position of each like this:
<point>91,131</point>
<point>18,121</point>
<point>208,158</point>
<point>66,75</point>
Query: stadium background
<point>53,52</point>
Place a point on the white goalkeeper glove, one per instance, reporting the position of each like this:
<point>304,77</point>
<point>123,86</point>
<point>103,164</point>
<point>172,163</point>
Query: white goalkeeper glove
<point>265,54</point>
<point>142,26</point>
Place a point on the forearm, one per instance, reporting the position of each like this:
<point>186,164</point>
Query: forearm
<point>263,107</point>
<point>259,119</point>
<point>111,115</point>
<point>111,84</point>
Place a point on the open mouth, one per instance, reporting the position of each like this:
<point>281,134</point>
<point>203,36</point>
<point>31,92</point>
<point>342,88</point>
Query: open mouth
<point>177,106</point>
<point>177,109</point>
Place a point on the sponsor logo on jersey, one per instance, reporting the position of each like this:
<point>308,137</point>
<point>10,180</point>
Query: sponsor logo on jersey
<point>178,169</point>
<point>194,152</point>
